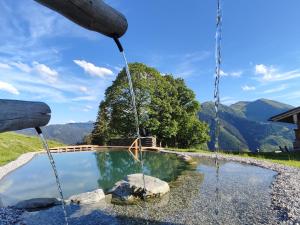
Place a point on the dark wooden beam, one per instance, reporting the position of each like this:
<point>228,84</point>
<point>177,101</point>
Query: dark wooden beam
<point>17,115</point>
<point>94,15</point>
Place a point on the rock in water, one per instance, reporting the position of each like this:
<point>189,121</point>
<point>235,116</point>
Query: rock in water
<point>88,197</point>
<point>132,187</point>
<point>37,203</point>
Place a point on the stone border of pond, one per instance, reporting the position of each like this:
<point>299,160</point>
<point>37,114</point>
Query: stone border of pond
<point>20,161</point>
<point>285,187</point>
<point>285,196</point>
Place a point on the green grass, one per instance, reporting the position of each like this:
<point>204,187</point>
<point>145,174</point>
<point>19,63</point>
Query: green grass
<point>12,145</point>
<point>289,159</point>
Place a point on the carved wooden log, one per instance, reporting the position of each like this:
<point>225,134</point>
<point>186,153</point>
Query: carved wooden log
<point>17,115</point>
<point>92,14</point>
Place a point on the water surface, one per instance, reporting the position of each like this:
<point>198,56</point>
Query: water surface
<point>81,172</point>
<point>243,197</point>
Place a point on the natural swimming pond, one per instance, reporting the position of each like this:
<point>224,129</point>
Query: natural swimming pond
<point>240,194</point>
<point>83,171</point>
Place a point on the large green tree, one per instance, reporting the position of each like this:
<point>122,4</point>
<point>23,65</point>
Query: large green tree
<point>166,109</point>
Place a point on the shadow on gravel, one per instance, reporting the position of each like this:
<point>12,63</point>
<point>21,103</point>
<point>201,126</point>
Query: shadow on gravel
<point>79,216</point>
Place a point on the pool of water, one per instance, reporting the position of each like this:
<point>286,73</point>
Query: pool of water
<point>81,172</point>
<point>238,194</point>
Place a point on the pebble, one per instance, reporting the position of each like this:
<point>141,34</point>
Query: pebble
<point>285,187</point>
<point>9,216</point>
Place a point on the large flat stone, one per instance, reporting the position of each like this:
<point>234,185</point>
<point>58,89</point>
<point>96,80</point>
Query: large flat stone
<point>132,187</point>
<point>37,203</point>
<point>88,197</point>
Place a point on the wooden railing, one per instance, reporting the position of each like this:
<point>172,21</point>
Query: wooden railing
<point>135,147</point>
<point>78,148</point>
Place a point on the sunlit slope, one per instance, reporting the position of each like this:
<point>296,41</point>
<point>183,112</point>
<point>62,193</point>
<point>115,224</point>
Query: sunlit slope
<point>12,145</point>
<point>244,125</point>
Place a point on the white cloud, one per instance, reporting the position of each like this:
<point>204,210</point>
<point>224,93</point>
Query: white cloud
<point>49,74</point>
<point>290,96</point>
<point>22,66</point>
<point>277,89</point>
<point>67,88</point>
<point>93,70</point>
<point>184,65</point>
<point>261,69</point>
<point>8,88</point>
<point>248,88</point>
<point>223,74</point>
<point>231,74</point>
<point>4,66</point>
<point>236,73</point>
<point>83,89</point>
<point>270,73</point>
<point>84,98</point>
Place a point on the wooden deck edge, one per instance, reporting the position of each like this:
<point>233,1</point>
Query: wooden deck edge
<point>83,148</point>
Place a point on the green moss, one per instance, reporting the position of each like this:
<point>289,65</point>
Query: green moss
<point>13,145</point>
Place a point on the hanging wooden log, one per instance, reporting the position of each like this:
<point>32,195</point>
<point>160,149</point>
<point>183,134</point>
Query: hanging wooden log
<point>17,115</point>
<point>94,15</point>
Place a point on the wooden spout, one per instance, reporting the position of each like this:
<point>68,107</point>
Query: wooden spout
<point>17,115</point>
<point>94,15</point>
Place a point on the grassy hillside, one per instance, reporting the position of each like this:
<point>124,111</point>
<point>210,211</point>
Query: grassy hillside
<point>260,110</point>
<point>70,133</point>
<point>12,145</point>
<point>244,126</point>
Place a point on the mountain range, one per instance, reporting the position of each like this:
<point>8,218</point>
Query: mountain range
<point>244,126</point>
<point>70,133</point>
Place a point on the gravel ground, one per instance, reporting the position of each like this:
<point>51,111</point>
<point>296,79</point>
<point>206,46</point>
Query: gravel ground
<point>285,188</point>
<point>285,204</point>
<point>189,202</point>
<point>9,216</point>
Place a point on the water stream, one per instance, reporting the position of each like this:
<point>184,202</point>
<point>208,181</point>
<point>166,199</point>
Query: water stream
<point>46,147</point>
<point>133,101</point>
<point>137,126</point>
<point>218,60</point>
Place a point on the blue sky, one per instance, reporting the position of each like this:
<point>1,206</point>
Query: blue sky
<point>45,57</point>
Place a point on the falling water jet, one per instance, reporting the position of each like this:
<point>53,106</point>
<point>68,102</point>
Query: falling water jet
<point>97,16</point>
<point>18,115</point>
<point>217,101</point>
<point>133,102</point>
<point>46,147</point>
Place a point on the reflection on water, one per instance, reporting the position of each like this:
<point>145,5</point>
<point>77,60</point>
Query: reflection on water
<point>113,166</point>
<point>81,172</point>
<point>244,190</point>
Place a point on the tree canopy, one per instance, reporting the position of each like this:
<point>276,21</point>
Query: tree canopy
<point>166,107</point>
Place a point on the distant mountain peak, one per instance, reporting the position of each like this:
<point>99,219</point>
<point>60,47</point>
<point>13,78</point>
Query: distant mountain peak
<point>274,103</point>
<point>244,125</point>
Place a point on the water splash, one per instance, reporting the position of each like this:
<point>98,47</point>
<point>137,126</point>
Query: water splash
<point>46,147</point>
